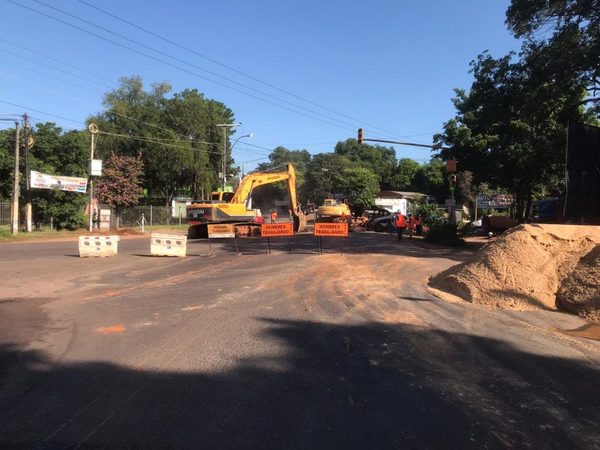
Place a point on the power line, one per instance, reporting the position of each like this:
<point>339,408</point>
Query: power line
<point>49,76</point>
<point>38,111</point>
<point>214,61</point>
<point>184,62</point>
<point>64,63</point>
<point>152,141</point>
<point>53,68</point>
<point>175,66</point>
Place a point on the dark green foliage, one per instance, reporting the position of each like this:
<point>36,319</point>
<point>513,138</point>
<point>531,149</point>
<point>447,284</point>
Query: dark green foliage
<point>278,158</point>
<point>444,233</point>
<point>65,209</point>
<point>429,212</point>
<point>380,160</point>
<point>181,145</point>
<point>55,152</point>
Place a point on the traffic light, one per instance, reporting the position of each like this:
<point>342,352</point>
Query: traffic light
<point>360,136</point>
<point>452,182</point>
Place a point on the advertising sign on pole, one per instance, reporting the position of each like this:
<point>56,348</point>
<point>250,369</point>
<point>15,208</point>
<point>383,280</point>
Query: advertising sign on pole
<point>69,184</point>
<point>499,201</point>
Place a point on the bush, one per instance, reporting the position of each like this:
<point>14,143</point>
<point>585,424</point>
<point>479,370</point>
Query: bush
<point>431,214</point>
<point>444,233</point>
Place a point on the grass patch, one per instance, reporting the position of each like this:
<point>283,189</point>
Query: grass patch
<point>45,234</point>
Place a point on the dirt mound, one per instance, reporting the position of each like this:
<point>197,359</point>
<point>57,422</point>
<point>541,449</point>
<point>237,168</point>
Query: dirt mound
<point>580,292</point>
<point>119,232</point>
<point>525,268</point>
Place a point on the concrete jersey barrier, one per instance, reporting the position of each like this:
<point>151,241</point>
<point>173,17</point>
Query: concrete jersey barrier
<point>98,246</point>
<point>168,245</point>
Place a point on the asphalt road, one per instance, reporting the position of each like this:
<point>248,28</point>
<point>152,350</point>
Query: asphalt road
<point>287,350</point>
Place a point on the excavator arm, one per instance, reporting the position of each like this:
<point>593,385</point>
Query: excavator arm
<point>253,180</point>
<point>236,209</point>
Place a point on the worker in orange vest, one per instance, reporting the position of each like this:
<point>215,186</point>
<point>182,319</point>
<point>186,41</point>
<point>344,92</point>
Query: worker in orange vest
<point>419,225</point>
<point>274,216</point>
<point>412,223</point>
<point>400,225</point>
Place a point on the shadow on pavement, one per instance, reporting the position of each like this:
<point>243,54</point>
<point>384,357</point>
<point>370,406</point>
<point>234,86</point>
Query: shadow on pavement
<point>348,387</point>
<point>355,243</point>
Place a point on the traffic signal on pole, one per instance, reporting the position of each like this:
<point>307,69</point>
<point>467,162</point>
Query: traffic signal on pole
<point>452,182</point>
<point>360,136</point>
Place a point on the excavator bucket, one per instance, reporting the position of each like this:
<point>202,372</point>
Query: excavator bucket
<point>299,222</point>
<point>302,224</point>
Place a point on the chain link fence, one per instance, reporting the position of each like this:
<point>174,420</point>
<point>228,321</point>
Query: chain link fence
<point>130,217</point>
<point>4,213</point>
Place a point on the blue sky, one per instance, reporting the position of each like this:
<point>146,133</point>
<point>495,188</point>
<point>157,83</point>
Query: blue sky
<point>388,66</point>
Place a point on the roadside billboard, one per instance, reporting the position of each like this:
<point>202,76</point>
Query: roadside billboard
<point>70,184</point>
<point>499,201</point>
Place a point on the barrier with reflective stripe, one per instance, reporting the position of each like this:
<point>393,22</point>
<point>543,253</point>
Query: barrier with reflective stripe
<point>98,246</point>
<point>168,244</point>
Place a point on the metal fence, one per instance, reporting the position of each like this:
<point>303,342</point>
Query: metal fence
<point>130,217</point>
<point>4,213</point>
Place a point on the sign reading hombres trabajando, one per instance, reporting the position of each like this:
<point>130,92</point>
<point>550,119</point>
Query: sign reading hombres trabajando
<point>331,229</point>
<point>277,229</point>
<point>221,230</point>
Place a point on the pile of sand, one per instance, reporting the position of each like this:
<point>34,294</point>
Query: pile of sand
<point>528,266</point>
<point>580,291</point>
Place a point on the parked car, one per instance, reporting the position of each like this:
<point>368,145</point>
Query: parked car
<point>380,220</point>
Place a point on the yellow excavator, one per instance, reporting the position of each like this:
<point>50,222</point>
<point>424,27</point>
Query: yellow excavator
<point>236,207</point>
<point>333,210</point>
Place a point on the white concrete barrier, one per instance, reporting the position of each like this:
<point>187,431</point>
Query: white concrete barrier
<point>168,244</point>
<point>98,246</point>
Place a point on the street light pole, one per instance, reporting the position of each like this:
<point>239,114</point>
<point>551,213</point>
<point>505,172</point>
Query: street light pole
<point>249,135</point>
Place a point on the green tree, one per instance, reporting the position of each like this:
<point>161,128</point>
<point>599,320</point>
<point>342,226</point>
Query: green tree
<point>381,160</point>
<point>567,52</point>
<point>277,159</point>
<point>187,114</point>
<point>509,130</point>
<point>404,176</point>
<point>7,160</point>
<point>360,185</point>
<point>324,176</point>
<point>430,179</point>
<point>58,153</point>
<point>177,136</point>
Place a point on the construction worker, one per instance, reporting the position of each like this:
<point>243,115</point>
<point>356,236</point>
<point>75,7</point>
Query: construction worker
<point>411,225</point>
<point>419,225</point>
<point>400,224</point>
<point>274,216</point>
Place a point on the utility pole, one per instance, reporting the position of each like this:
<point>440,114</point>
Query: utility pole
<point>28,144</point>
<point>15,202</point>
<point>224,158</point>
<point>225,127</point>
<point>93,129</point>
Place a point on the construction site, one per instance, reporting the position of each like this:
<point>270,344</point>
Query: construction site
<point>375,342</point>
